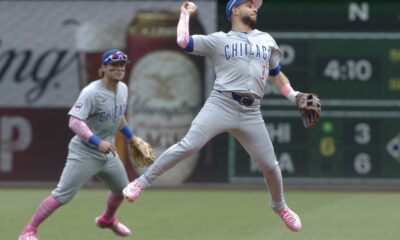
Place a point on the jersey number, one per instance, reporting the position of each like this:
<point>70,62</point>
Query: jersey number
<point>263,72</point>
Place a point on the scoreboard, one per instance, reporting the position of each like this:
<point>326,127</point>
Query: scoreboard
<point>347,52</point>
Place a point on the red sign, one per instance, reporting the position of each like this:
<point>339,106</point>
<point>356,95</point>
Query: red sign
<point>33,143</point>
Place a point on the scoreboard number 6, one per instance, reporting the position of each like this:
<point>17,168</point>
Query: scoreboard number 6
<point>362,163</point>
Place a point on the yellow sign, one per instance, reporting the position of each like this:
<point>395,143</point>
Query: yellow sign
<point>394,84</point>
<point>394,55</point>
<point>327,146</point>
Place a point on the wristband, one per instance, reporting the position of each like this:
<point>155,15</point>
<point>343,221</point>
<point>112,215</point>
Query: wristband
<point>127,132</point>
<point>292,96</point>
<point>95,140</point>
<point>288,92</point>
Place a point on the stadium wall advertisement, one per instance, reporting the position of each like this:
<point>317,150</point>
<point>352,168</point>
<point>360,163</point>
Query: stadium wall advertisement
<point>46,61</point>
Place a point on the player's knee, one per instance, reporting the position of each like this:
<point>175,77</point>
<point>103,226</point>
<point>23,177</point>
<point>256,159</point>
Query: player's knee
<point>62,200</point>
<point>194,141</point>
<point>268,167</point>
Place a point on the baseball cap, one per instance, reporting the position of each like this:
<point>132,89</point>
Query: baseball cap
<point>235,3</point>
<point>113,55</point>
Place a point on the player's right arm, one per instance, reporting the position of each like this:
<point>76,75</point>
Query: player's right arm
<point>182,32</point>
<point>81,110</point>
<point>203,45</point>
<point>82,130</point>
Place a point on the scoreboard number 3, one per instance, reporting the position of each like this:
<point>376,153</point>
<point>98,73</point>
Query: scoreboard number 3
<point>362,133</point>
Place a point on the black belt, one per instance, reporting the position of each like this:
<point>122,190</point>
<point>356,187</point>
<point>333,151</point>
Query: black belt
<point>246,100</point>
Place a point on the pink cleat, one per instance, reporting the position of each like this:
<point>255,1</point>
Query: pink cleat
<point>117,227</point>
<point>28,234</point>
<point>291,219</point>
<point>132,191</point>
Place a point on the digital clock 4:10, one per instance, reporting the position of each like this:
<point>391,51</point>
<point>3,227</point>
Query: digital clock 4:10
<point>348,70</point>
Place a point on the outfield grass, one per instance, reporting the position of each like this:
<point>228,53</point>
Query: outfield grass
<point>210,215</point>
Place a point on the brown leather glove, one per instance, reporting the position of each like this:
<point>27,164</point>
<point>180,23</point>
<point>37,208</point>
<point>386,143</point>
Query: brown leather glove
<point>142,154</point>
<point>309,107</point>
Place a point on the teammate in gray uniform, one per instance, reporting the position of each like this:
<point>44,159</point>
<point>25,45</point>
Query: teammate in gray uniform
<point>95,118</point>
<point>243,58</point>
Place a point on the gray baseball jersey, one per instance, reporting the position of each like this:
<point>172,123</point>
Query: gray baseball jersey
<point>242,62</point>
<point>102,110</point>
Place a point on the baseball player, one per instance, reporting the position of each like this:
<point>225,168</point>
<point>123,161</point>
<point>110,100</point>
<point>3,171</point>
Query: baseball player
<point>95,118</point>
<point>243,59</point>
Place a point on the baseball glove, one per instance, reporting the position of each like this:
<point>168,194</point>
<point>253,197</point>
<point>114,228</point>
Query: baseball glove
<point>142,154</point>
<point>309,107</point>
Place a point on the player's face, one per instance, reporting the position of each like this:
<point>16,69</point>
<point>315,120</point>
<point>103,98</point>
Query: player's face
<point>248,13</point>
<point>115,71</point>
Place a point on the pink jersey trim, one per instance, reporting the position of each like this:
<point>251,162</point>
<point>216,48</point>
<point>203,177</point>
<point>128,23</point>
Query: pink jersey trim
<point>80,128</point>
<point>182,31</point>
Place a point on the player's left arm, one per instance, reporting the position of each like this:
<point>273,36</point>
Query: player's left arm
<point>277,77</point>
<point>307,103</point>
<point>142,154</point>
<point>282,83</point>
<point>126,130</point>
